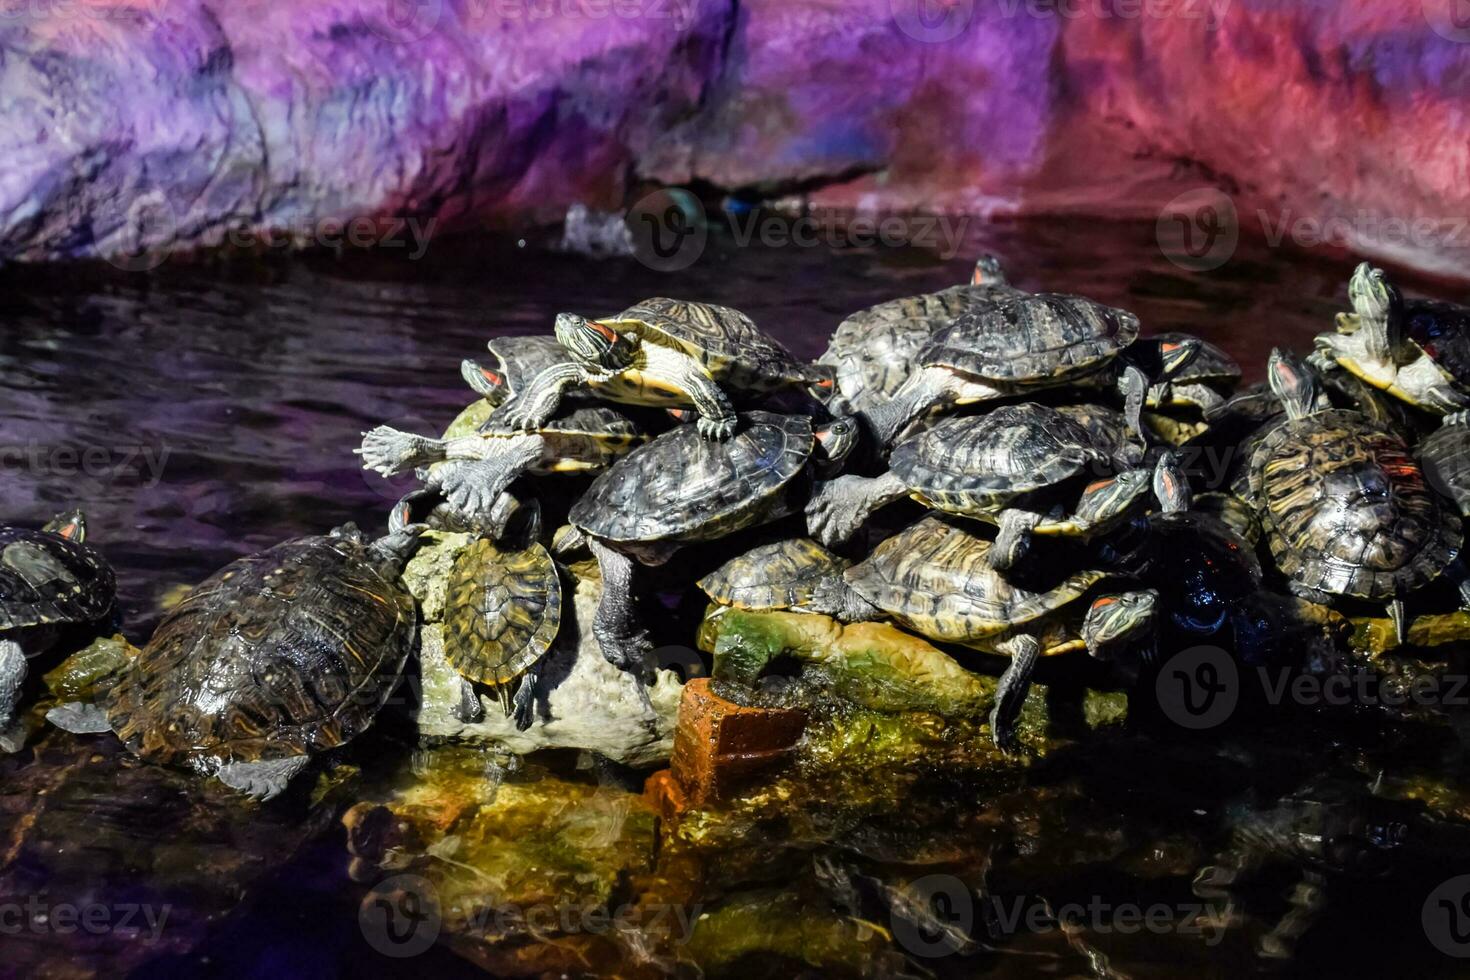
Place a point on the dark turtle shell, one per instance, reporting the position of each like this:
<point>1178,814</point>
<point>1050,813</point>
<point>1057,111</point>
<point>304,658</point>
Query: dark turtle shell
<point>46,579</point>
<point>724,340</point>
<point>1346,508</point>
<point>1201,569</point>
<point>289,651</point>
<point>874,351</point>
<point>1031,338</point>
<point>935,579</point>
<point>1445,457</point>
<point>1442,330</point>
<point>502,611</point>
<point>973,464</point>
<point>779,575</point>
<point>520,359</point>
<point>684,487</point>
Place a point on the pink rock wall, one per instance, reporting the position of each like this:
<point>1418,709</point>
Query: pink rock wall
<point>172,121</point>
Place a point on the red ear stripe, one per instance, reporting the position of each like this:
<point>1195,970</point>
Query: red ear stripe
<point>1104,602</point>
<point>69,531</point>
<point>490,376</point>
<point>607,332</point>
<point>825,383</point>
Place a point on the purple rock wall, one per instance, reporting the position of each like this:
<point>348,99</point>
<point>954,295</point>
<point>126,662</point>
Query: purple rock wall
<point>171,122</point>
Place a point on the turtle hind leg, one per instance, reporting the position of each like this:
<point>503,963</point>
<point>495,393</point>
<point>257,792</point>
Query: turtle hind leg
<point>623,644</point>
<point>13,672</point>
<point>262,780</point>
<point>388,451</point>
<point>523,705</point>
<point>469,710</point>
<point>1010,691</point>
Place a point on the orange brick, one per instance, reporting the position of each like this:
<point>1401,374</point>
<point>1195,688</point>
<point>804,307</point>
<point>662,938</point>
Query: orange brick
<point>720,745</point>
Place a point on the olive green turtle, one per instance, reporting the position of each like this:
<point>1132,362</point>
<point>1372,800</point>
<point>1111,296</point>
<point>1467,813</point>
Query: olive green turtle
<point>936,578</point>
<point>276,657</point>
<point>664,353</point>
<point>778,575</point>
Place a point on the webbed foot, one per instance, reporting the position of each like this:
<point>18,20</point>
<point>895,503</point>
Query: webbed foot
<point>523,705</point>
<point>837,509</point>
<point>262,780</point>
<point>388,451</point>
<point>521,414</point>
<point>716,429</point>
<point>469,710</point>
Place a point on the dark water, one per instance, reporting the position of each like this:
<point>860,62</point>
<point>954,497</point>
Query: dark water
<point>206,410</point>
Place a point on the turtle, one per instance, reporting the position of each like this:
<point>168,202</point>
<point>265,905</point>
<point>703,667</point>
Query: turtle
<point>681,488</point>
<point>1345,507</point>
<point>1416,350</point>
<point>277,656</point>
<point>872,352</point>
<point>473,471</point>
<point>1027,467</point>
<point>777,575</point>
<point>502,612</point>
<point>50,581</point>
<point>935,578</point>
<point>518,360</point>
<point>664,353</point>
<point>1011,342</point>
<point>1445,457</point>
<point>1204,382</point>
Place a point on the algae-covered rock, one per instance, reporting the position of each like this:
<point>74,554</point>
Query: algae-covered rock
<point>781,924</point>
<point>1375,634</point>
<point>586,702</point>
<point>76,678</point>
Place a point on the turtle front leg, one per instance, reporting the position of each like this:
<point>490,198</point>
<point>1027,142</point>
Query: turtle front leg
<point>1010,692</point>
<point>834,597</point>
<point>533,407</point>
<point>839,507</point>
<point>716,415</point>
<point>1014,538</point>
<point>389,451</point>
<point>921,390</point>
<point>474,486</point>
<point>13,672</point>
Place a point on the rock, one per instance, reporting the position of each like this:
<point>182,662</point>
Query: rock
<point>1375,634</point>
<point>720,746</point>
<point>140,128</point>
<point>588,703</point>
<point>76,678</point>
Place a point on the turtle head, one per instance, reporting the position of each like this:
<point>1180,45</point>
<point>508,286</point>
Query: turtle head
<point>594,343</point>
<point>988,272</point>
<point>1171,486</point>
<point>1293,383</point>
<point>1117,619</point>
<point>393,550</point>
<point>1102,500</point>
<point>488,383</point>
<point>835,441</point>
<point>1378,309</point>
<point>71,524</point>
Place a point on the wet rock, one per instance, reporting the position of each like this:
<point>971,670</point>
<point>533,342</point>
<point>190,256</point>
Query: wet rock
<point>720,745</point>
<point>586,702</point>
<point>1375,634</point>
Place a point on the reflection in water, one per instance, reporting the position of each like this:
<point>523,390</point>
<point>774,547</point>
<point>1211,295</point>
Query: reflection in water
<point>207,411</point>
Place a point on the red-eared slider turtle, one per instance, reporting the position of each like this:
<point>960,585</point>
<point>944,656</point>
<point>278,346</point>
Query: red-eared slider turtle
<point>1203,383</point>
<point>873,351</point>
<point>1345,507</point>
<point>681,488</point>
<point>936,579</point>
<point>1028,468</point>
<point>275,657</point>
<point>518,360</point>
<point>50,581</point>
<point>502,612</point>
<point>779,575</point>
<point>1445,456</point>
<point>664,353</point>
<point>1012,342</point>
<point>473,471</point>
<point>1416,350</point>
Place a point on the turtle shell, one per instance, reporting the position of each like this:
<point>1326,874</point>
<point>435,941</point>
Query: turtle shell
<point>1346,509</point>
<point>874,351</point>
<point>1201,568</point>
<point>934,579</point>
<point>725,341</point>
<point>502,611</point>
<point>1442,331</point>
<point>683,487</point>
<point>49,580</point>
<point>1445,458</point>
<point>522,358</point>
<point>1031,338</point>
<point>975,464</point>
<point>289,651</point>
<point>1210,364</point>
<point>1105,425</point>
<point>779,575</point>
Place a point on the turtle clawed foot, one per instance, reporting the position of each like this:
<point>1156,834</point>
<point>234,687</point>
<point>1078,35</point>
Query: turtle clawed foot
<point>518,415</point>
<point>630,652</point>
<point>717,430</point>
<point>261,781</point>
<point>387,451</point>
<point>523,705</point>
<point>832,515</point>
